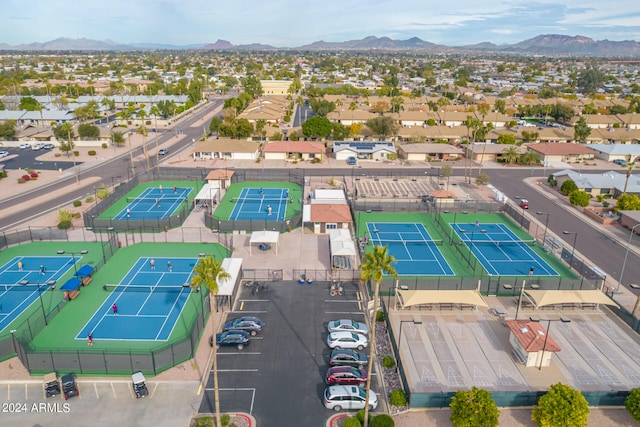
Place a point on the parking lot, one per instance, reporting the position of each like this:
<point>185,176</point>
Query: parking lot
<point>27,159</point>
<point>279,377</point>
<point>25,403</point>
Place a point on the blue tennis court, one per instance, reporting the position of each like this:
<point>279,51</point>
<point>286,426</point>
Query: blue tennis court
<point>501,252</point>
<point>261,203</point>
<point>154,203</point>
<point>149,300</point>
<point>409,242</point>
<point>24,279</point>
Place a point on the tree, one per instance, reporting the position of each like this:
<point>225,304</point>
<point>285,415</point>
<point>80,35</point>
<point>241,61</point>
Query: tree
<point>354,129</point>
<point>506,138</point>
<point>244,129</point>
<point>589,81</point>
<point>446,171</point>
<point>317,127</point>
<point>568,187</point>
<point>500,106</point>
<point>382,126</point>
<point>206,274</point>
<point>117,137</point>
<point>8,130</point>
<point>581,131</point>
<point>483,179</point>
<point>561,406</point>
<point>475,407</point>
<point>321,107</point>
<point>29,104</point>
<point>375,265</point>
<point>65,134</point>
<point>260,125</point>
<point>396,103</point>
<point>632,403</point>
<point>252,86</point>
<point>510,154</point>
<point>628,202</point>
<point>215,124</point>
<point>340,132</point>
<point>579,198</point>
<point>529,136</point>
<point>530,158</point>
<point>86,130</point>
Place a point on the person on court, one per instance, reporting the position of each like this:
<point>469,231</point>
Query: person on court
<point>42,269</point>
<point>114,307</point>
<point>169,265</point>
<point>160,188</point>
<point>128,212</point>
<point>19,265</point>
<point>152,262</point>
<point>90,338</point>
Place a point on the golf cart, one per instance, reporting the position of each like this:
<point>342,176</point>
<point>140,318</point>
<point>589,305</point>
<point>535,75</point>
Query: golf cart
<point>139,386</point>
<point>69,386</point>
<point>51,384</point>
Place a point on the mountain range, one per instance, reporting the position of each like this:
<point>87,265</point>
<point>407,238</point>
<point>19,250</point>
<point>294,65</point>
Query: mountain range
<point>550,44</point>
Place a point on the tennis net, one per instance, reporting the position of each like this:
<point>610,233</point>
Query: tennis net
<point>409,242</point>
<point>504,243</point>
<point>146,289</point>
<point>28,288</point>
<point>154,200</point>
<point>265,200</point>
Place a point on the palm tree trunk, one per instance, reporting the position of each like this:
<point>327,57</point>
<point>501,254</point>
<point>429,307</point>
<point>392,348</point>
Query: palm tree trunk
<point>214,353</point>
<point>372,349</point>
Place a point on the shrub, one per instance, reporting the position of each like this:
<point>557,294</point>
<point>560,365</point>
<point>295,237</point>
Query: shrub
<point>351,422</point>
<point>31,171</point>
<point>474,407</point>
<point>76,153</point>
<point>360,416</point>
<point>64,215</point>
<point>34,175</point>
<point>579,198</point>
<point>104,145</point>
<point>388,362</point>
<point>204,422</point>
<point>102,192</point>
<point>63,225</point>
<point>380,316</point>
<point>92,152</point>
<point>224,419</point>
<point>632,403</point>
<point>568,187</point>
<point>382,420</point>
<point>21,181</point>
<point>89,199</point>
<point>26,177</point>
<point>605,204</point>
<point>57,155</point>
<point>398,398</point>
<point>75,215</point>
<point>77,203</point>
<point>561,406</point>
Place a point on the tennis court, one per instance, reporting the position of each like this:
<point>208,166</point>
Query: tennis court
<point>500,251</point>
<point>154,203</point>
<point>261,203</point>
<point>23,279</point>
<point>149,300</point>
<point>416,253</point>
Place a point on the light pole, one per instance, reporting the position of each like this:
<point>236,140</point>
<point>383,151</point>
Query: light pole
<point>546,335</point>
<point>73,256</point>
<point>626,254</point>
<point>573,249</point>
<point>546,225</point>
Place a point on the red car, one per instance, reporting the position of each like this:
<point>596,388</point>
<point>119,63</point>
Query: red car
<point>524,203</point>
<point>345,375</point>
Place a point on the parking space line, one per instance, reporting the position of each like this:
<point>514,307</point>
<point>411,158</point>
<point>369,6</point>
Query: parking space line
<point>253,394</point>
<point>240,353</point>
<point>254,300</point>
<point>155,387</point>
<point>241,305</point>
<point>350,301</point>
<point>131,392</point>
<point>113,389</point>
<point>248,311</point>
<point>236,370</point>
<point>95,387</point>
<point>355,313</point>
<point>26,392</point>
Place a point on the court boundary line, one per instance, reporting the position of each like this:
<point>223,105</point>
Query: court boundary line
<point>243,197</point>
<point>122,215</point>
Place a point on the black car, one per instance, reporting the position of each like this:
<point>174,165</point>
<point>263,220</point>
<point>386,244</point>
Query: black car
<point>345,357</point>
<point>253,325</point>
<point>69,386</point>
<point>51,384</point>
<point>231,338</point>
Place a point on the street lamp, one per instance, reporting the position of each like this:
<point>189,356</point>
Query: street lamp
<point>573,249</point>
<point>624,263</point>
<point>546,224</point>
<point>546,335</point>
<point>73,256</point>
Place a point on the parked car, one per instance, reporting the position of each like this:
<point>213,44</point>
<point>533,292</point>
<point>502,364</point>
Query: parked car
<point>51,384</point>
<point>345,357</point>
<point>25,146</point>
<point>37,147</point>
<point>253,325</point>
<point>69,386</point>
<point>231,338</point>
<point>339,397</point>
<point>163,152</point>
<point>352,161</point>
<point>524,203</point>
<point>48,146</point>
<point>3,154</point>
<point>347,340</point>
<point>620,162</point>
<point>139,385</point>
<point>347,325</point>
<point>345,375</point>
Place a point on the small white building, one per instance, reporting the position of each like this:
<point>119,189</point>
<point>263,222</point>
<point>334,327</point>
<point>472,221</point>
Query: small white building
<point>530,342</point>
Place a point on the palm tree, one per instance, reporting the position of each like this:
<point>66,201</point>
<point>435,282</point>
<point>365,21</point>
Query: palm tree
<point>510,154</point>
<point>142,130</point>
<point>155,112</point>
<point>374,265</point>
<point>206,274</point>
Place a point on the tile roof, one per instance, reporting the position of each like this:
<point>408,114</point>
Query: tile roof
<point>338,213</point>
<point>531,335</point>
<point>294,147</point>
<point>560,148</point>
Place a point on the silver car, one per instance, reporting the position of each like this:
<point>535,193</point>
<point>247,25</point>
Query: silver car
<point>339,397</point>
<point>347,325</point>
<point>347,340</point>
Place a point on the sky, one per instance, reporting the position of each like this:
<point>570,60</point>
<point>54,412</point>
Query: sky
<point>293,23</point>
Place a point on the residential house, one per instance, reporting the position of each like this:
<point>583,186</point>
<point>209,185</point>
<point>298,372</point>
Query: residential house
<point>275,87</point>
<point>608,183</point>
<point>429,152</point>
<point>231,149</point>
<point>561,152</point>
<point>610,152</point>
<point>293,150</point>
<point>488,151</point>
<point>348,117</point>
<point>363,150</point>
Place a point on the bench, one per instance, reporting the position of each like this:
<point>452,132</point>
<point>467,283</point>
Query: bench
<point>71,295</point>
<point>86,281</point>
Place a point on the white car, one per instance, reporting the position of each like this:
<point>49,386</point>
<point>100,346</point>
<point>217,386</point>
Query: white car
<point>163,152</point>
<point>347,325</point>
<point>25,146</point>
<point>339,397</point>
<point>3,154</point>
<point>347,340</point>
